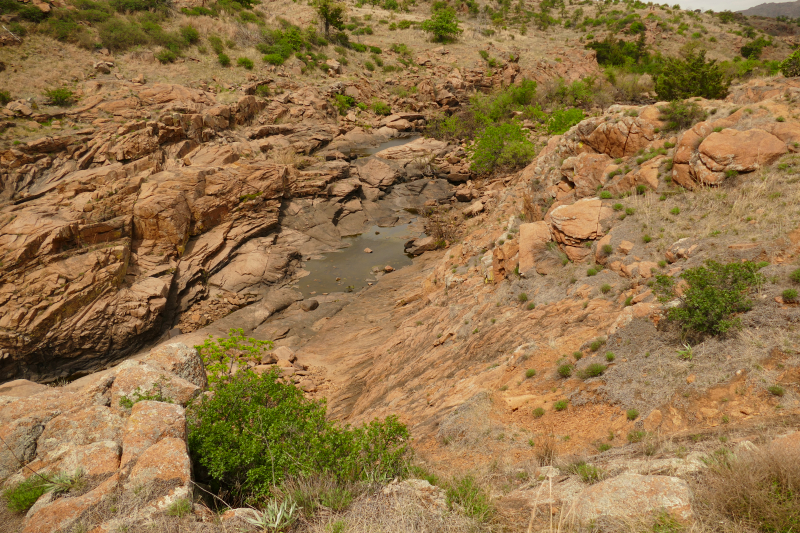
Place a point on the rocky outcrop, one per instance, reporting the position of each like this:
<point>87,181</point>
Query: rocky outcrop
<point>98,430</point>
<point>632,496</point>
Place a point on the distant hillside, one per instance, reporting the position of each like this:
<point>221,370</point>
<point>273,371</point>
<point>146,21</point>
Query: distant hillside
<point>775,9</point>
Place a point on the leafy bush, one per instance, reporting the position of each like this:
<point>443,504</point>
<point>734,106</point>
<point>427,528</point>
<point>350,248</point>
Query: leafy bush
<point>789,295</point>
<point>790,67</point>
<point>245,62</point>
<point>565,370</point>
<point>503,146</point>
<point>692,76</point>
<point>21,497</point>
<point>562,120</point>
<point>331,14</point>
<point>610,356</point>
<point>530,373</point>
<point>753,49</point>
<point>776,390</point>
<point>632,414</point>
<point>443,25</point>
<point>273,59</point>
<point>679,115</point>
<point>255,431</point>
<point>216,44</point>
<point>713,294</point>
<point>381,108</point>
<point>60,97</point>
<point>538,412</point>
<point>137,5</point>
<point>166,56</point>
<point>190,34</point>
<point>224,60</point>
<point>588,473</point>
<point>117,35</point>
<point>592,371</point>
<point>795,276</point>
<point>470,496</point>
<point>5,97</point>
<point>560,405</point>
<point>343,103</point>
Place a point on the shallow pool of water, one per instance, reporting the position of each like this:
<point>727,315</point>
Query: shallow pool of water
<point>352,266</point>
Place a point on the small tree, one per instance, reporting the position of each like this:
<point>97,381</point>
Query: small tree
<point>692,76</point>
<point>790,67</point>
<point>443,25</point>
<point>712,295</point>
<point>331,14</point>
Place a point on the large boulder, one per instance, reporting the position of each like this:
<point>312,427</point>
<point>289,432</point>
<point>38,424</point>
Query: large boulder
<point>587,172</point>
<point>534,238</point>
<point>573,224</point>
<point>630,496</point>
<point>742,151</point>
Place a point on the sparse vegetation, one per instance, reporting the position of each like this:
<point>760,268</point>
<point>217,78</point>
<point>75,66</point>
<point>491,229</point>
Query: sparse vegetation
<point>61,97</point>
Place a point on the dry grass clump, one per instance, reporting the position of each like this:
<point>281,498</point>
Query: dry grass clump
<point>467,424</point>
<point>757,490</point>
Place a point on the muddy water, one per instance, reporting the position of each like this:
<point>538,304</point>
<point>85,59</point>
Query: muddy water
<point>352,269</point>
<point>371,150</point>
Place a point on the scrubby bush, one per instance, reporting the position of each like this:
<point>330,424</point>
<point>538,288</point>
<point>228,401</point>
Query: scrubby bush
<point>190,34</point>
<point>166,56</point>
<point>530,373</point>
<point>117,35</point>
<point>381,108</point>
<point>502,146</point>
<point>443,25</point>
<point>679,115</point>
<point>60,97</point>
<point>712,295</point>
<point>562,120</point>
<point>245,62</point>
<point>5,97</point>
<point>565,370</point>
<point>560,405</point>
<point>255,431</point>
<point>790,67</point>
<point>331,14</point>
<point>789,295</point>
<point>592,371</point>
<point>471,497</point>
<point>691,76</point>
<point>22,496</point>
<point>224,60</point>
<point>343,103</point>
<point>753,49</point>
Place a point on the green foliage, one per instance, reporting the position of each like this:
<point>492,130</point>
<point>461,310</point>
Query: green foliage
<point>632,414</point>
<point>503,146</point>
<point>331,14</point>
<point>180,508</point>
<point>5,97</point>
<point>597,343</point>
<point>713,294</point>
<point>592,371</point>
<point>565,370</point>
<point>679,115</point>
<point>124,6</point>
<point>522,297</point>
<point>245,62</point>
<point>343,103</point>
<point>605,288</point>
<point>219,356</point>
<point>588,473</point>
<point>776,390</point>
<point>273,59</point>
<point>165,56</point>
<point>635,436</point>
<point>790,67</point>
<point>753,49</point>
<point>471,497</point>
<point>610,356</point>
<point>118,35</point>
<point>560,405</point>
<point>538,412</point>
<point>381,108</point>
<point>157,393</point>
<point>190,34</point>
<point>795,276</point>
<point>22,496</point>
<point>61,97</point>
<point>530,373</point>
<point>255,431</point>
<point>789,295</point>
<point>692,76</point>
<point>443,25</point>
<point>562,120</point>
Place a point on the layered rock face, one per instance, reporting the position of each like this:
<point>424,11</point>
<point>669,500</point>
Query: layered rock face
<point>87,429</point>
<point>110,232</point>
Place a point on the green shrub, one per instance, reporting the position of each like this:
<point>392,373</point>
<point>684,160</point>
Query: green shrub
<point>635,436</point>
<point>216,44</point>
<point>118,35</point>
<point>713,294</point>
<point>263,91</point>
<point>596,344</point>
<point>578,355</point>
<point>680,115</point>
<point>610,356</point>
<point>369,66</point>
<point>522,297</point>
<point>592,371</point>
<point>179,508</point>
<point>471,497</point>
<point>789,295</point>
<point>538,412</point>
<point>443,25</point>
<point>531,306</point>
<point>632,414</point>
<point>753,49</point>
<point>273,59</point>
<point>137,5</point>
<point>795,276</point>
<point>343,103</point>
<point>224,60</point>
<point>565,370</point>
<point>790,67</point>
<point>560,405</point>
<point>605,288</point>
<point>776,390</point>
<point>331,14</point>
<point>591,272</point>
<point>605,195</point>
<point>690,77</point>
<point>502,146</point>
<point>61,97</point>
<point>245,62</point>
<point>588,473</point>
<point>221,355</point>
<point>190,34</point>
<point>530,373</point>
<point>5,97</point>
<point>381,108</point>
<point>166,56</point>
<point>22,496</point>
<point>562,120</point>
<point>255,431</point>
